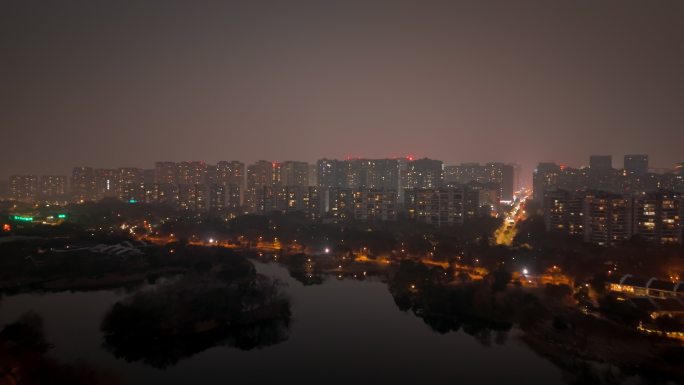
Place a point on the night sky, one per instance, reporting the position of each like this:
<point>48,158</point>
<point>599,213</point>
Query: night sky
<point>125,83</point>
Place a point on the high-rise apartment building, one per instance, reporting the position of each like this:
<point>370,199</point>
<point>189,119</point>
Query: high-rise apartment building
<point>424,173</point>
<point>233,196</point>
<point>608,218</point>
<point>657,217</point>
<point>294,173</point>
<point>328,173</point>
<point>191,173</point>
<point>488,197</point>
<point>106,183</point>
<point>564,212</point>
<point>374,204</point>
<point>438,206</point>
<point>452,175</point>
<point>161,193</point>
<point>359,173</point>
<point>192,198</point>
<point>636,164</point>
<point>601,162</point>
<point>166,172</point>
<point>259,175</point>
<point>217,198</point>
<point>24,188</point>
<point>232,172</point>
<point>131,184</point>
<point>544,179</point>
<point>363,204</point>
<point>53,186</point>
<point>290,199</point>
<point>83,184</point>
<point>602,175</point>
<point>313,175</point>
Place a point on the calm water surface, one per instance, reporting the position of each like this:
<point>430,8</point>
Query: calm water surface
<point>342,332</point>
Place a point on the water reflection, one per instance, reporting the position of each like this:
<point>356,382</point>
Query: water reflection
<point>24,359</point>
<point>473,335</point>
<point>588,350</point>
<point>160,327</point>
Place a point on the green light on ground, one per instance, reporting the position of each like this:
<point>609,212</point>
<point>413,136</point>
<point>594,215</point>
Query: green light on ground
<point>22,218</point>
<point>132,201</point>
<point>61,216</point>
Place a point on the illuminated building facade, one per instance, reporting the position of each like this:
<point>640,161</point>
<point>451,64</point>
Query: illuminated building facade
<point>217,198</point>
<point>290,199</point>
<point>363,204</point>
<point>374,204</point>
<point>424,173</point>
<point>231,172</point>
<point>131,184</point>
<point>192,198</point>
<point>53,187</point>
<point>440,207</point>
<point>329,173</point>
<point>191,173</point>
<point>161,193</point>
<point>83,184</point>
<point>231,175</point>
<point>259,175</point>
<point>24,188</point>
<point>606,218</point>
<point>488,197</point>
<point>544,179</point>
<point>359,173</point>
<point>233,196</point>
<point>106,183</point>
<point>658,217</point>
<point>501,174</point>
<point>294,174</point>
<point>166,172</point>
<point>340,202</point>
<point>564,212</point>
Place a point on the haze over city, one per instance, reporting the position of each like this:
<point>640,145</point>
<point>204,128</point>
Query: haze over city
<point>342,192</point>
<point>110,84</point>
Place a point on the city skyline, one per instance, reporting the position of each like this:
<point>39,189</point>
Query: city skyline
<point>618,162</point>
<point>342,191</point>
<point>130,83</point>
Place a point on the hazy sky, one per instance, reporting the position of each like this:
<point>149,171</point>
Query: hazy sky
<point>125,83</point>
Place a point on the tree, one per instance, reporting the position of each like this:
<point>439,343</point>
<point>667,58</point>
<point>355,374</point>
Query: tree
<point>500,279</point>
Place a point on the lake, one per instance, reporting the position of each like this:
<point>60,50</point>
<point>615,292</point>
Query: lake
<point>341,332</point>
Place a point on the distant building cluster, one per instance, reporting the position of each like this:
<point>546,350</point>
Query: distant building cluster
<point>606,206</point>
<point>363,189</point>
<point>634,178</point>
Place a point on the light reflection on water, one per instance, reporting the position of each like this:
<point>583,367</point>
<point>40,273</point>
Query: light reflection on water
<point>341,332</point>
